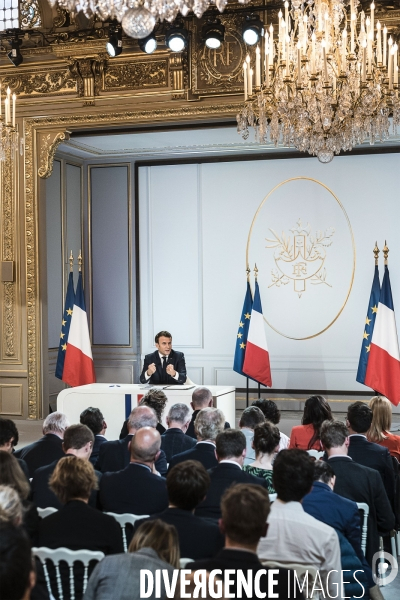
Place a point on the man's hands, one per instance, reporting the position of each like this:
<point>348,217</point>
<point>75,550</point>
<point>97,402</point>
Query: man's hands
<point>151,369</point>
<point>170,370</point>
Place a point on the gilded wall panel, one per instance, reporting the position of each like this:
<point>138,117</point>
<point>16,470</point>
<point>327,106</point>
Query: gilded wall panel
<point>136,75</point>
<point>39,82</point>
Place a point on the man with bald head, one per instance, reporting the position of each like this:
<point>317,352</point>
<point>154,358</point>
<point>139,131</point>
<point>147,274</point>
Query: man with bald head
<point>115,455</point>
<point>201,398</point>
<point>137,489</point>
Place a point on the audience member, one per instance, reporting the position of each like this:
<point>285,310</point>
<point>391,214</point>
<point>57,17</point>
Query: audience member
<point>307,435</point>
<point>244,511</point>
<point>357,483</point>
<point>12,475</point>
<point>93,418</point>
<point>17,576</point>
<point>379,431</point>
<point>272,413</point>
<point>78,441</point>
<point>155,399</point>
<point>9,439</point>
<point>49,447</point>
<point>187,485</point>
<point>201,398</point>
<point>153,547</point>
<point>266,445</point>
<point>11,510</point>
<point>251,416</point>
<point>363,452</point>
<point>175,440</point>
<point>293,535</point>
<point>115,455</point>
<point>231,451</point>
<point>136,489</point>
<point>209,423</point>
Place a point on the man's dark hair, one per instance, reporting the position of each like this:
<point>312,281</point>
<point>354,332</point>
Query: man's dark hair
<point>15,562</point>
<point>230,442</point>
<point>293,474</point>
<point>251,416</point>
<point>162,334</point>
<point>359,415</point>
<point>245,508</point>
<point>93,418</point>
<point>323,471</point>
<point>333,434</point>
<point>77,436</point>
<point>187,484</point>
<point>266,438</point>
<point>269,409</point>
<point>8,430</point>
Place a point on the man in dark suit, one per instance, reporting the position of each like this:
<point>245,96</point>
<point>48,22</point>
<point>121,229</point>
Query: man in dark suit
<point>357,483</point>
<point>175,440</point>
<point>78,441</point>
<point>164,366</point>
<point>230,451</point>
<point>245,509</point>
<point>359,419</point>
<point>9,437</point>
<point>201,398</point>
<point>93,418</point>
<point>49,447</point>
<point>187,485</point>
<point>136,489</point>
<point>115,455</point>
<point>209,423</point>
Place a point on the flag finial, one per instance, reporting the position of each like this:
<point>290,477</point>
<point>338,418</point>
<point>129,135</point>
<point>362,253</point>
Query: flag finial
<point>255,271</point>
<point>376,253</point>
<point>80,260</point>
<point>248,273</point>
<point>385,253</point>
<point>71,262</point>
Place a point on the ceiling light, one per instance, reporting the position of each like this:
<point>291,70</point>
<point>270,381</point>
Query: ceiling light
<point>114,44</point>
<point>15,55</point>
<point>176,38</point>
<point>252,29</point>
<point>148,44</point>
<point>213,34</point>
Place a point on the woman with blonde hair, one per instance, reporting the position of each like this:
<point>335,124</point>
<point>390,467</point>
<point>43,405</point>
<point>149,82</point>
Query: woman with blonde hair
<point>379,432</point>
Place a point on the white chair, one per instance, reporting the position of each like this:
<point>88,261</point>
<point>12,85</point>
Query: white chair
<point>45,512</point>
<point>364,530</point>
<point>315,454</point>
<point>272,497</point>
<point>305,575</point>
<point>123,520</point>
<point>70,557</point>
<point>184,561</point>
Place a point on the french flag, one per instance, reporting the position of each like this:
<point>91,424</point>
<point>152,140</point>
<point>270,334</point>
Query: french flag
<point>78,365</point>
<point>256,361</point>
<point>383,370</point>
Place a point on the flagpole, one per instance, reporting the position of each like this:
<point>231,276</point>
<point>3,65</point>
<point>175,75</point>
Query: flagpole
<point>80,261</point>
<point>385,251</point>
<point>376,253</point>
<point>255,277</point>
<point>247,379</point>
<point>71,262</point>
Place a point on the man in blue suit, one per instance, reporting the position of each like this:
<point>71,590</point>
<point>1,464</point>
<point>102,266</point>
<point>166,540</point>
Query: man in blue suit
<point>164,366</point>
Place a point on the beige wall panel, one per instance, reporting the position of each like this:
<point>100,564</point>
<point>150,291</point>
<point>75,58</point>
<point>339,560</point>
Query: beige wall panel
<point>11,395</point>
<point>114,373</point>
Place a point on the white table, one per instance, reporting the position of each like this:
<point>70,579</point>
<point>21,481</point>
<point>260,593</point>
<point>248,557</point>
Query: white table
<point>117,400</point>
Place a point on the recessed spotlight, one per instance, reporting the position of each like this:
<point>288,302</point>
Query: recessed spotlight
<point>148,44</point>
<point>252,28</point>
<point>213,34</point>
<point>176,38</point>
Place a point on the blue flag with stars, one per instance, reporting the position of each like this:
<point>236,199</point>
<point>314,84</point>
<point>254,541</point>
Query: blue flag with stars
<point>243,330</point>
<point>65,325</point>
<point>369,327</point>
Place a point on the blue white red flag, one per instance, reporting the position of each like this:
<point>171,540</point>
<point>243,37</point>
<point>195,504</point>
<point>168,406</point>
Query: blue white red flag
<point>243,330</point>
<point>383,369</point>
<point>65,325</point>
<point>256,362</point>
<point>369,327</point>
<point>78,365</point>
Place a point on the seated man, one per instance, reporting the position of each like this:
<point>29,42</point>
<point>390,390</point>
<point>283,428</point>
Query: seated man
<point>115,455</point>
<point>293,535</point>
<point>136,489</point>
<point>17,575</point>
<point>49,447</point>
<point>357,483</point>
<point>209,423</point>
<point>251,416</point>
<point>245,510</point>
<point>9,439</point>
<point>174,440</point>
<point>164,366</point>
<point>187,484</point>
<point>230,450</point>
<point>93,418</point>
<point>201,398</point>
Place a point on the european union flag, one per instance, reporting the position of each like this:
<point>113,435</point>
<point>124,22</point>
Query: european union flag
<point>65,325</point>
<point>242,333</point>
<point>369,327</point>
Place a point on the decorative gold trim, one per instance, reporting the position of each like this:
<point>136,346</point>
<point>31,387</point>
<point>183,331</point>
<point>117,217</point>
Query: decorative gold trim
<point>48,150</point>
<point>309,337</point>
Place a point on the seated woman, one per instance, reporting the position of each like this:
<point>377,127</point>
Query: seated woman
<point>157,400</point>
<point>379,431</point>
<point>266,445</point>
<point>154,546</point>
<point>272,413</point>
<point>306,435</point>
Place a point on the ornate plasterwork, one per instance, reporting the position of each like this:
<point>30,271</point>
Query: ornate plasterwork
<point>41,82</point>
<point>9,298</point>
<point>48,146</point>
<point>136,75</point>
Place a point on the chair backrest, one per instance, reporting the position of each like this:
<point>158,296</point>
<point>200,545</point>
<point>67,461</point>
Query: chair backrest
<point>272,497</point>
<point>315,454</point>
<point>123,520</point>
<point>45,512</point>
<point>70,557</point>
<point>184,561</point>
<point>364,531</point>
<point>306,575</point>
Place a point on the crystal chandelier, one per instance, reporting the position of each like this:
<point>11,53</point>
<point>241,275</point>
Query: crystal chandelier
<point>8,132</point>
<point>327,82</point>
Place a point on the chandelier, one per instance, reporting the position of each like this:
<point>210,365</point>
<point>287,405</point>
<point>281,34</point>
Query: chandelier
<point>328,80</point>
<point>8,132</point>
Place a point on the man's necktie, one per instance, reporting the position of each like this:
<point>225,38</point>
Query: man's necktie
<point>164,368</point>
